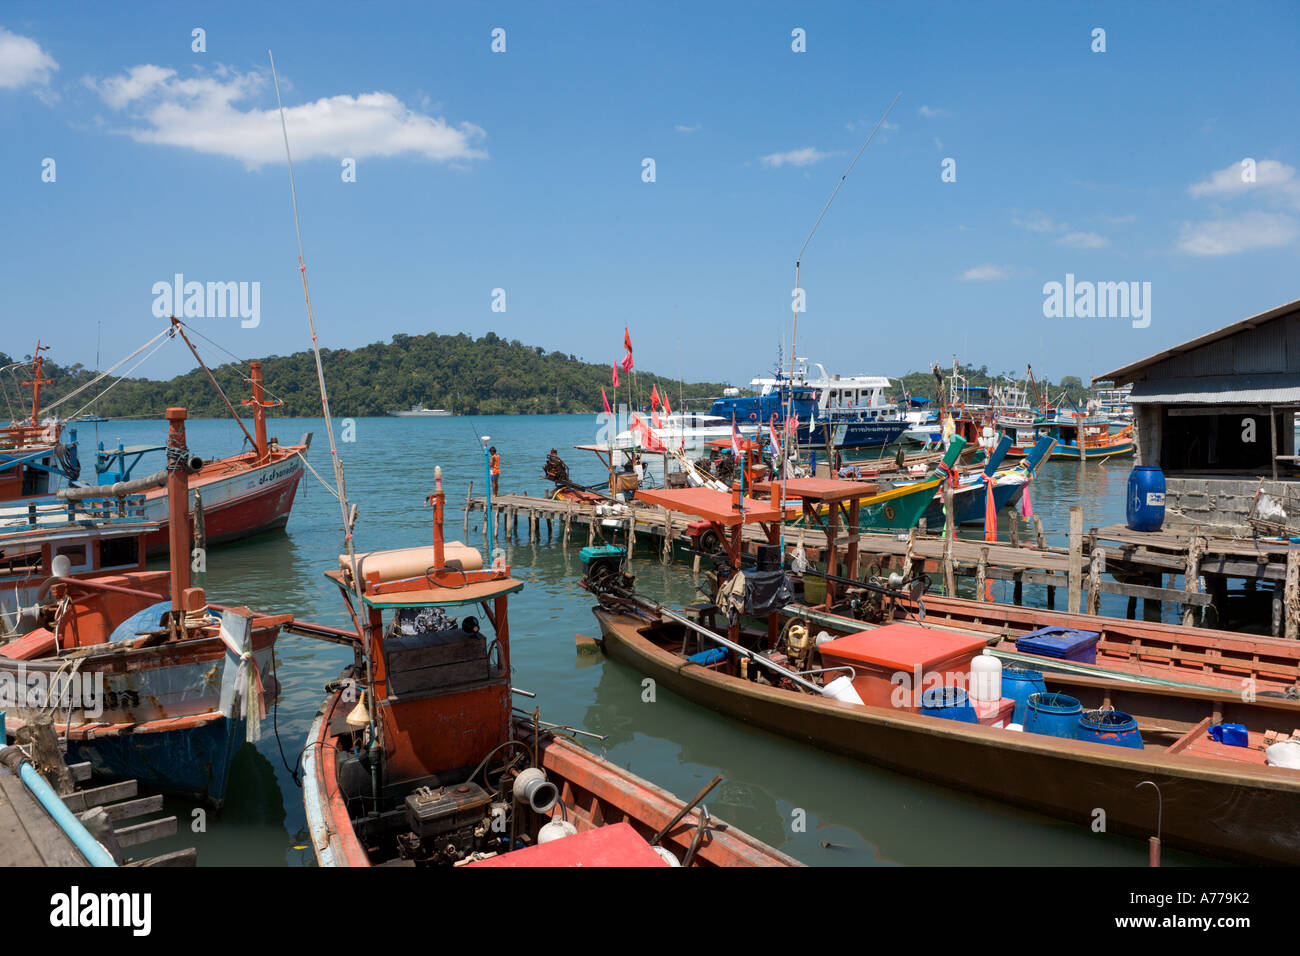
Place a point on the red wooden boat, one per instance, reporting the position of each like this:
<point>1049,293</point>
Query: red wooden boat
<point>418,758</point>
<point>242,495</point>
<point>161,686</point>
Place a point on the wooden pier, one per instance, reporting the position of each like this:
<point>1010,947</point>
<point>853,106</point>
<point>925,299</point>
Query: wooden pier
<point>1109,560</point>
<point>29,835</point>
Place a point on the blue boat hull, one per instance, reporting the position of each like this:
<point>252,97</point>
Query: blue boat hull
<point>969,505</point>
<point>193,762</point>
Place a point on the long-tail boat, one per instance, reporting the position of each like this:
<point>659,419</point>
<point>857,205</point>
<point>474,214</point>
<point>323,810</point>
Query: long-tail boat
<point>141,676</point>
<point>35,461</point>
<point>1081,437</point>
<point>970,498</point>
<point>1212,797</point>
<point>417,756</point>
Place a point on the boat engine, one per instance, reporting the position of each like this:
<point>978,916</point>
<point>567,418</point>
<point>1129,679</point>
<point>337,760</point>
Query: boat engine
<point>446,823</point>
<point>603,569</point>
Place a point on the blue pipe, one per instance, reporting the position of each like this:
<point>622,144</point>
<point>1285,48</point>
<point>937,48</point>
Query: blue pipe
<point>89,847</point>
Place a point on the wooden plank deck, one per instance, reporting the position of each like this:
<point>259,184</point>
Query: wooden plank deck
<point>28,835</point>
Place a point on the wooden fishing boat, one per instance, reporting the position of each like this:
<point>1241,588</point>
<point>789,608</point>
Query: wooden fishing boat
<point>1213,797</point>
<point>971,496</point>
<point>1080,437</point>
<point>143,678</point>
<point>35,461</point>
<point>417,757</point>
<point>1153,650</point>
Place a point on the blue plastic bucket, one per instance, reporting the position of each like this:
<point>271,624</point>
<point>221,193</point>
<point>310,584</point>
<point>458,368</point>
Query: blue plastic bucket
<point>1110,727</point>
<point>1146,498</point>
<point>1018,683</point>
<point>950,703</point>
<point>1053,715</point>
<point>714,655</point>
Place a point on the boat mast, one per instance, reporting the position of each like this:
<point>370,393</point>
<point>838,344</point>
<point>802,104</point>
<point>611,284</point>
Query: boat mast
<point>37,370</point>
<point>349,512</point>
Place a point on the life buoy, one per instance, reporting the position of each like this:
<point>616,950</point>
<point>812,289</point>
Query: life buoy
<point>753,416</point>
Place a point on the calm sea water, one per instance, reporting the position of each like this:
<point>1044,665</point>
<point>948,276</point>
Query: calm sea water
<point>855,815</point>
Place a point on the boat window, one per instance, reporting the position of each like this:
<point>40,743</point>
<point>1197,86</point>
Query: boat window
<point>75,553</point>
<point>119,552</point>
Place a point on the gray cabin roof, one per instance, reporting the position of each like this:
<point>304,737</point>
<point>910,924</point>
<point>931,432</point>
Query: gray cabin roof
<point>1265,369</point>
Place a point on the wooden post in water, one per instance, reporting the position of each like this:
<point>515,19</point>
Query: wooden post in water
<point>666,555</point>
<point>1038,533</point>
<point>981,575</point>
<point>1292,595</point>
<point>1191,583</point>
<point>907,559</point>
<point>1096,559</point>
<point>469,496</point>
<point>1014,529</point>
<point>1074,584</point>
<point>564,530</point>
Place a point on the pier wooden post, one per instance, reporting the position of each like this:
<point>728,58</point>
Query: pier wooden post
<point>981,575</point>
<point>1014,529</point>
<point>591,529</point>
<point>1038,533</point>
<point>949,532</point>
<point>1195,548</point>
<point>907,558</point>
<point>1074,584</point>
<point>469,496</point>
<point>666,555</point>
<point>564,530</point>
<point>1292,595</point>
<point>1097,558</point>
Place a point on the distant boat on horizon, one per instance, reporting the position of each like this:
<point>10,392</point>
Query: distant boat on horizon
<point>419,411</point>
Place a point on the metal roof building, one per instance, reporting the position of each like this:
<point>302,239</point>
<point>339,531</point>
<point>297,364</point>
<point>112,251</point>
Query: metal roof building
<point>1218,415</point>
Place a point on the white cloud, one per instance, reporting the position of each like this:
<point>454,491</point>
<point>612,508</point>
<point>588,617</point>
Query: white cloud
<point>932,112</point>
<point>795,157</point>
<point>687,129</point>
<point>1272,180</point>
<point>1038,221</point>
<point>23,62</point>
<point>1083,240</point>
<point>201,113</point>
<point>986,273</point>
<point>1225,237</point>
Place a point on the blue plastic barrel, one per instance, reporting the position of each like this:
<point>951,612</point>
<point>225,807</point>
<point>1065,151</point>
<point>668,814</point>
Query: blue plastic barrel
<point>1018,683</point>
<point>1053,715</point>
<point>950,703</point>
<point>1146,498</point>
<point>1110,727</point>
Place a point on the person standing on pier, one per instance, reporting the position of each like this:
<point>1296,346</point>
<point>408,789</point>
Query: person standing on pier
<point>496,470</point>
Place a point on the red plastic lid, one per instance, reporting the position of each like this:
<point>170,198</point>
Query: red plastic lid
<point>612,845</point>
<point>902,646</point>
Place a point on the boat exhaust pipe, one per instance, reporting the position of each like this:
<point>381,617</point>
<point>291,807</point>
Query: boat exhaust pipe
<point>532,788</point>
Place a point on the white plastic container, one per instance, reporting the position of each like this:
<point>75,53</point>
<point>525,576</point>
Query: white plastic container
<point>555,830</point>
<point>986,678</point>
<point>841,688</point>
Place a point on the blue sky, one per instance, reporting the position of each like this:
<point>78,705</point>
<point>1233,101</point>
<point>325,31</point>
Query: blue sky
<point>522,170</point>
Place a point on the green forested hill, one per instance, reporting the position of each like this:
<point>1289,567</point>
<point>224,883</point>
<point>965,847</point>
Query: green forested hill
<point>484,376</point>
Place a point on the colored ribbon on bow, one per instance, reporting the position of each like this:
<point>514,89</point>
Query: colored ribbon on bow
<point>248,679</point>
<point>1026,506</point>
<point>990,510</point>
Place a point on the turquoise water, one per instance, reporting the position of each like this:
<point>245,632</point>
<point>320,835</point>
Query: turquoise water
<point>854,814</point>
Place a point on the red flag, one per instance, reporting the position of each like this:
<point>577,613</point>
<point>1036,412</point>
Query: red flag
<point>627,339</point>
<point>614,369</point>
<point>735,438</point>
<point>792,424</point>
<point>627,362</point>
<point>668,409</point>
<point>605,399</point>
<point>775,435</point>
<point>654,397</point>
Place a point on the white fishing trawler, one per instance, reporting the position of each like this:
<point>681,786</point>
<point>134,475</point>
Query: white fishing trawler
<point>420,411</point>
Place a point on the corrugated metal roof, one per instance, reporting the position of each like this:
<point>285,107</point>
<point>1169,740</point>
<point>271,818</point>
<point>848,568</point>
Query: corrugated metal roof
<point>1129,372</point>
<point>1218,390</point>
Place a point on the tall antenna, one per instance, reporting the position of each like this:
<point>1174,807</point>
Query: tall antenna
<point>794,334</point>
